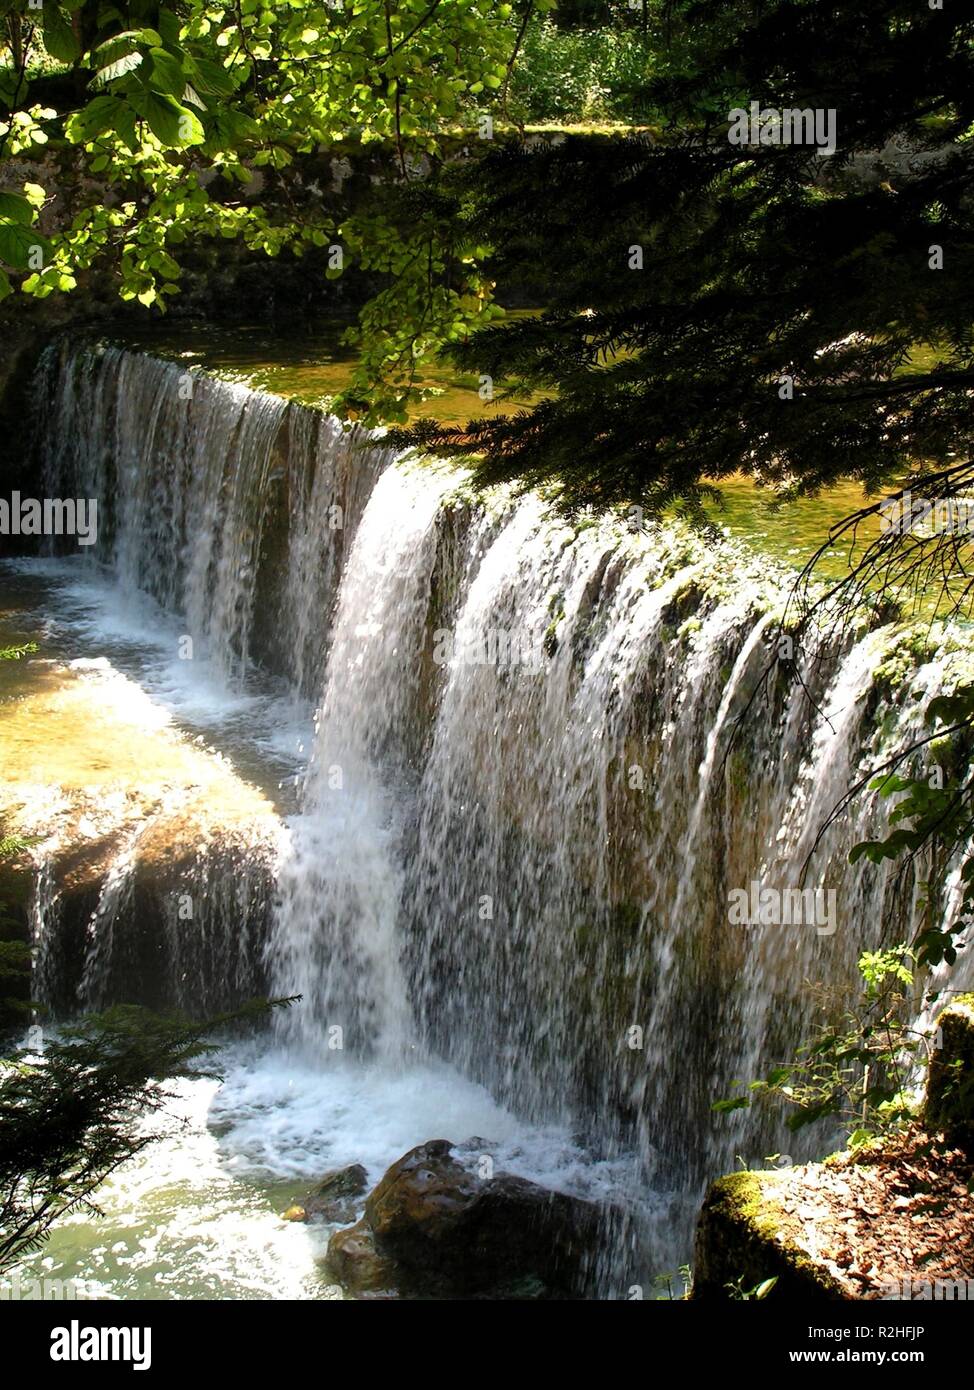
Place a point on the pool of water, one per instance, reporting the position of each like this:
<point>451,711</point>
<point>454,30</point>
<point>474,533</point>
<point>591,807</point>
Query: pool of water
<point>199,1214</point>
<point>314,365</point>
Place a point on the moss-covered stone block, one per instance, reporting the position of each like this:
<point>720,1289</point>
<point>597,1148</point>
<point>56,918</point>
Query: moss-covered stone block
<point>950,1082</point>
<point>745,1237</point>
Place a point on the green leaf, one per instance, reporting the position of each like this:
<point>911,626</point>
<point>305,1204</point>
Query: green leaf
<point>121,67</point>
<point>16,244</point>
<point>173,125</point>
<point>777,1075</point>
<point>125,127</point>
<point>169,27</point>
<point>167,74</point>
<point>210,78</point>
<point>14,208</point>
<point>164,265</point>
<point>59,37</point>
<point>125,42</point>
<point>13,88</point>
<point>723,1107</point>
<point>96,118</point>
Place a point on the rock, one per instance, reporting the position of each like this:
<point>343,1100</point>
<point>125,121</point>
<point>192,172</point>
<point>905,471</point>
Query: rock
<point>343,1182</point>
<point>357,1262</point>
<point>435,1227</point>
<point>335,1197</point>
<point>950,1081</point>
<point>744,1236</point>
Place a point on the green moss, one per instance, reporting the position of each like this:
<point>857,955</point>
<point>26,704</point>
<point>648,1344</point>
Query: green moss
<point>913,647</point>
<point>738,771</point>
<point>950,1082</point>
<point>745,1237</point>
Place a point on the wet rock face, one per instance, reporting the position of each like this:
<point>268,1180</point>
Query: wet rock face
<point>433,1227</point>
<point>151,862</point>
<point>342,1184</point>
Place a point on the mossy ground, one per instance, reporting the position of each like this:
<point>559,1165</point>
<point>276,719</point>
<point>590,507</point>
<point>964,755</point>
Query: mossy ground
<point>893,1219</point>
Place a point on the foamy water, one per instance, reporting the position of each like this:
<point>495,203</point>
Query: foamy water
<point>199,1214</point>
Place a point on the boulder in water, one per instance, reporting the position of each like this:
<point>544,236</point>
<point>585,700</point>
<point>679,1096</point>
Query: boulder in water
<point>434,1226</point>
<point>359,1265</point>
<point>335,1198</point>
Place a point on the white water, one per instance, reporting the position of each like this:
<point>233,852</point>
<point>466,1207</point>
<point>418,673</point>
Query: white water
<point>334,939</point>
<point>199,1213</point>
<point>502,863</point>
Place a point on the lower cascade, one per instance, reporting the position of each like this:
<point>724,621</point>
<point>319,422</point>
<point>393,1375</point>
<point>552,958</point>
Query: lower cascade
<point>528,826</point>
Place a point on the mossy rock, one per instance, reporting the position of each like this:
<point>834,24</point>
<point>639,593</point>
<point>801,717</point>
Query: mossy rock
<point>950,1082</point>
<point>744,1237</point>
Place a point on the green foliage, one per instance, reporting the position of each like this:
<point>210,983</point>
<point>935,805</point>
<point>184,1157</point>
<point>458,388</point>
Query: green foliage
<point>434,292</point>
<point>15,653</point>
<point>582,74</point>
<point>857,1070</point>
<point>674,1288</point>
<point>15,961</point>
<point>175,106</point>
<point>739,1294</point>
<point>934,813</point>
<point>759,262</point>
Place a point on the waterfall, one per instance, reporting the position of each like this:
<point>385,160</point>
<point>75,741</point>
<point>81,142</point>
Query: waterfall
<point>228,506</point>
<point>529,798</point>
<point>335,937</point>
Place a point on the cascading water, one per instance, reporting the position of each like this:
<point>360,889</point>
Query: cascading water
<point>226,505</point>
<point>569,875</point>
<point>187,465</point>
<point>523,816</point>
<point>335,938</point>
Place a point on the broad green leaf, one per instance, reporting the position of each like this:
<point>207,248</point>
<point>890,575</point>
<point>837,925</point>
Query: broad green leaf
<point>173,125</point>
<point>14,208</point>
<point>210,78</point>
<point>121,67</point>
<point>18,242</point>
<point>166,74</point>
<point>59,37</point>
<point>96,118</point>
